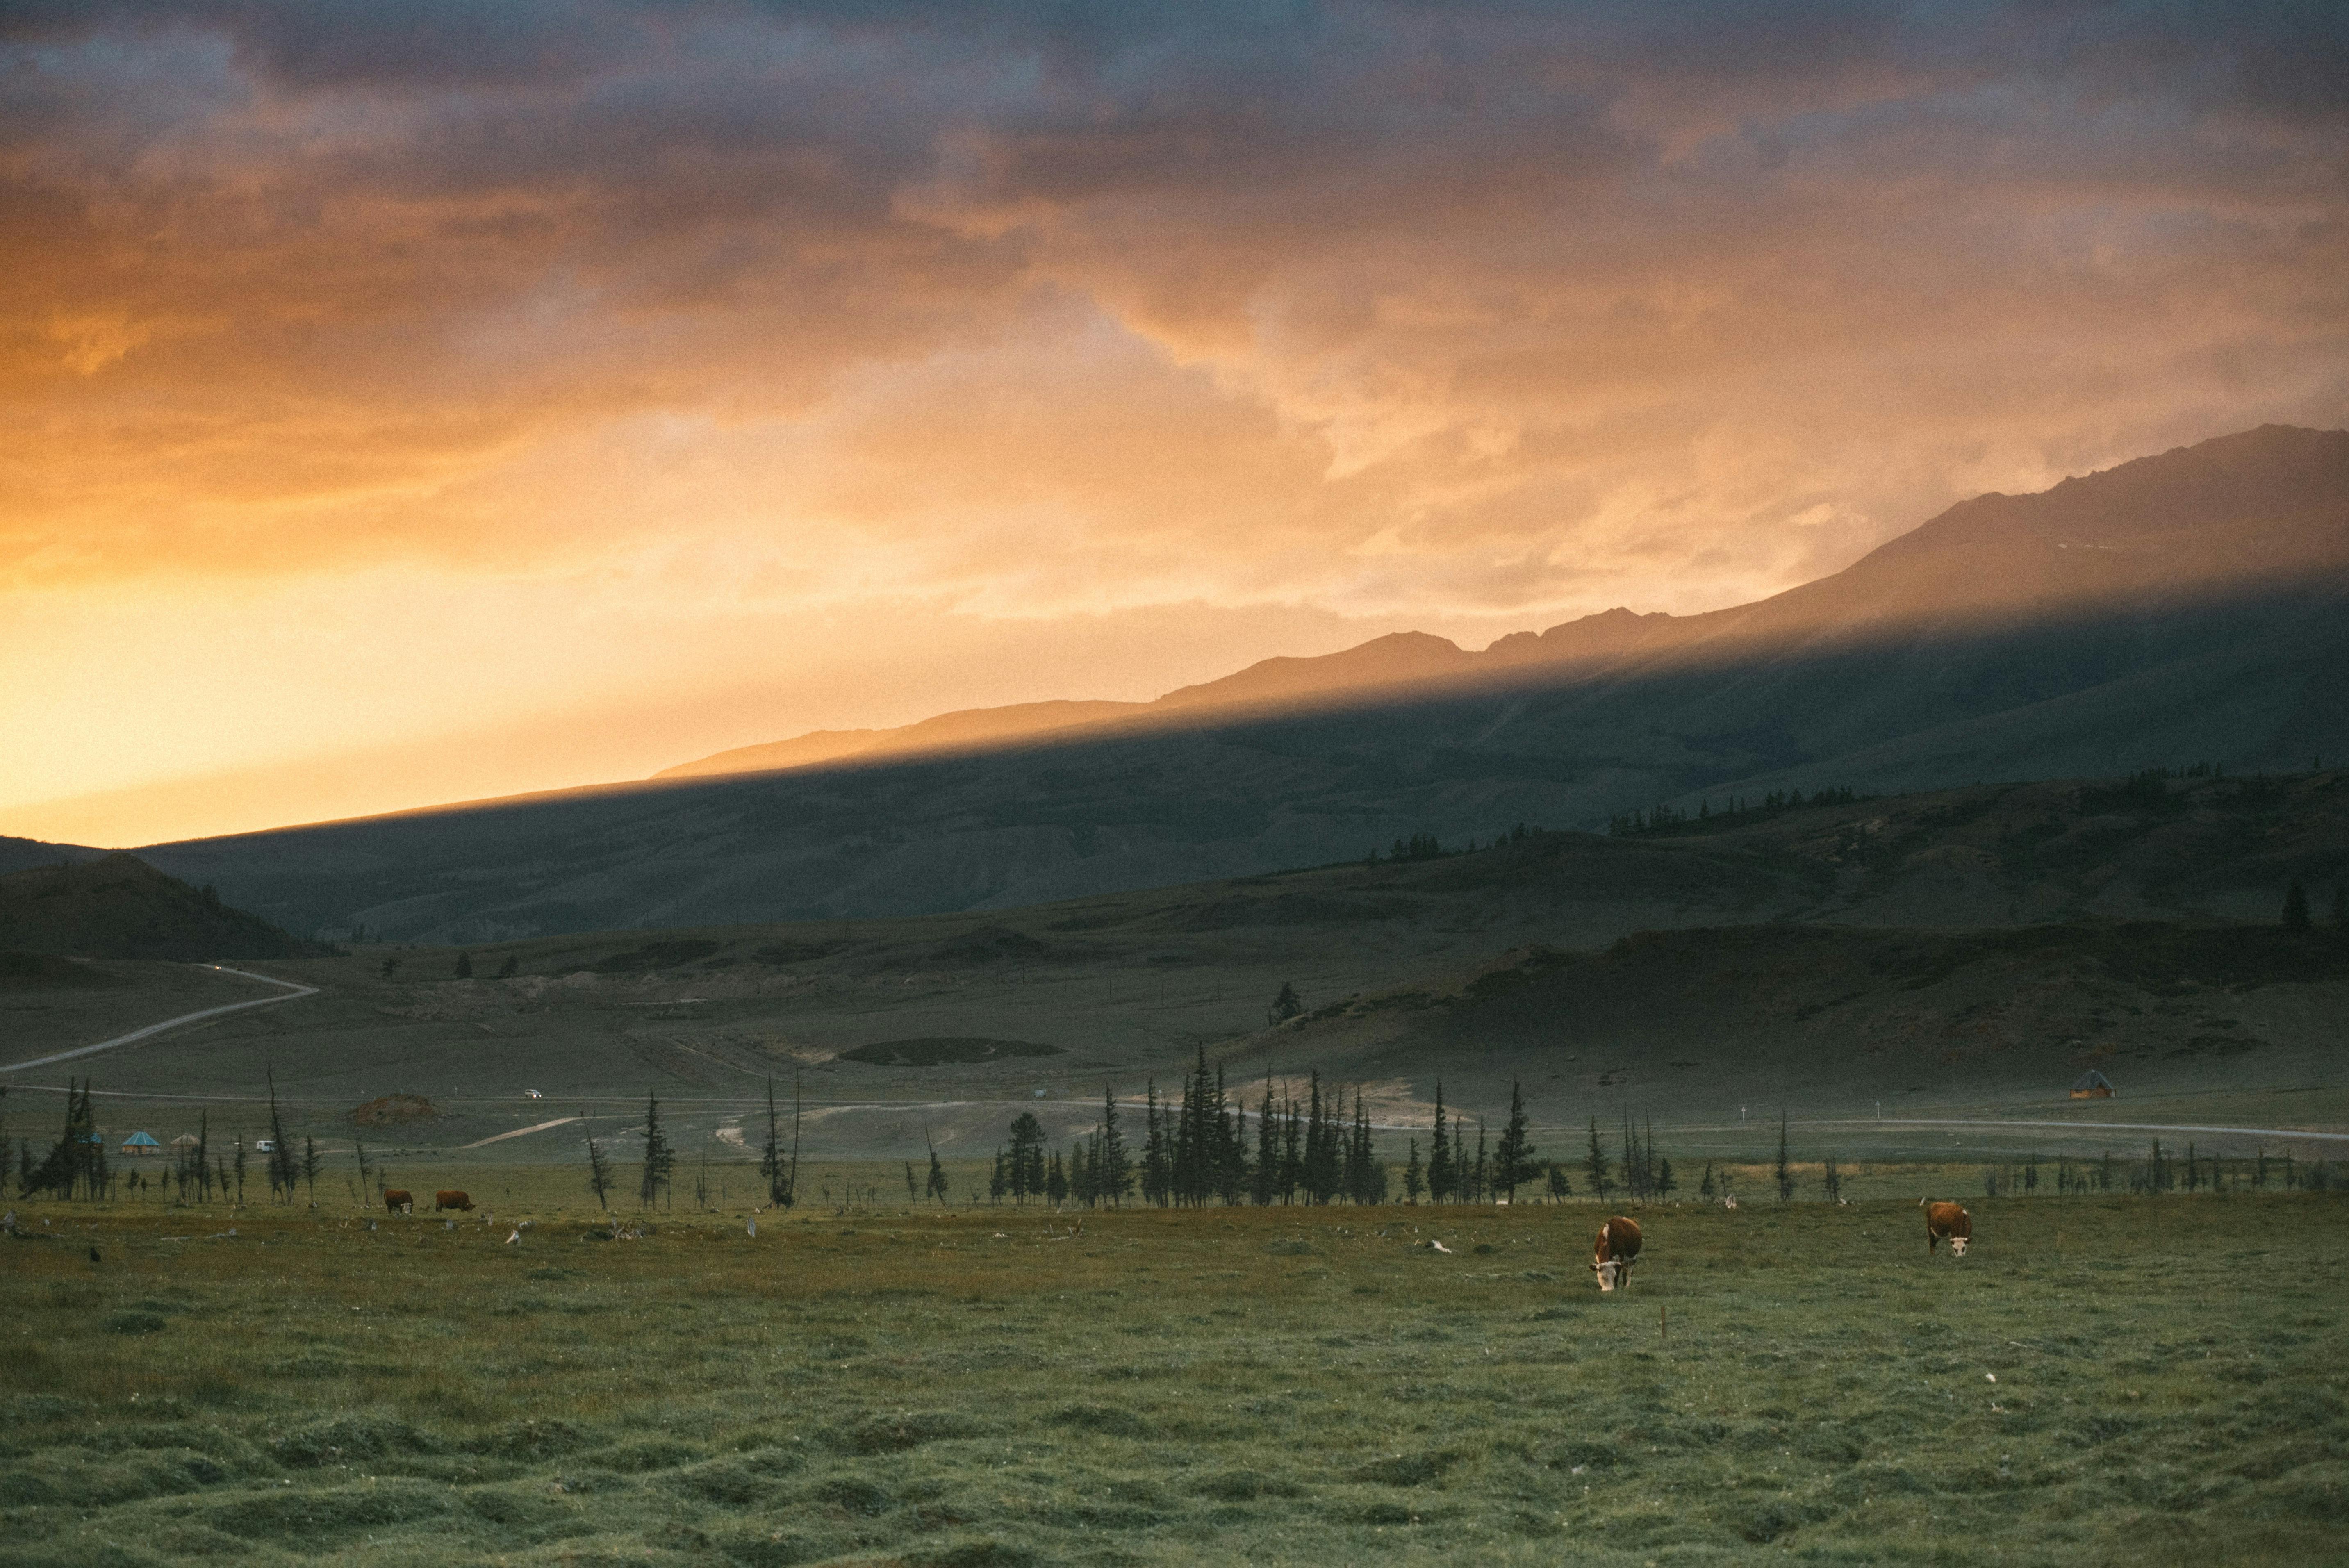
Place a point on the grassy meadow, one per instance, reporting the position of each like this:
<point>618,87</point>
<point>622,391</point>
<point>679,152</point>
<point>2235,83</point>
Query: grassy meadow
<point>2157,1379</point>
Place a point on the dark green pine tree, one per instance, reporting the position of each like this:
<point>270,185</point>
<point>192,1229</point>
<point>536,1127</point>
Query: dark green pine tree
<point>1559,1185</point>
<point>772,1163</point>
<point>1513,1161</point>
<point>1704,1187</point>
<point>465,966</point>
<point>936,1185</point>
<point>311,1165</point>
<point>1443,1175</point>
<point>1665,1180</point>
<point>1292,1150</point>
<point>1267,1150</point>
<point>285,1166</point>
<point>1231,1147</point>
<point>2295,908</point>
<point>1027,1157</point>
<point>660,1158</point>
<point>1594,1166</point>
<point>1157,1171</point>
<point>1324,1158</point>
<point>1056,1181</point>
<point>1414,1178</point>
<point>1783,1172</point>
<point>999,1183</point>
<point>1113,1171</point>
<point>1285,1007</point>
<point>1480,1177</point>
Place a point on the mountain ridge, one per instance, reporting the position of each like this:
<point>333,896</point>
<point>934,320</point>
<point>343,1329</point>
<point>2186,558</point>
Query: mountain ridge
<point>1994,649</point>
<point>2229,486</point>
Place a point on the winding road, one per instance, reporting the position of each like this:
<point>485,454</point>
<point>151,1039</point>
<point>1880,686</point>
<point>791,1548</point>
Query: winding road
<point>292,993</point>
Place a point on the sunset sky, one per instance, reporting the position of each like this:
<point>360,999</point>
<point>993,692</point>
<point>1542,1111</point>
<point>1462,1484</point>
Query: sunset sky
<point>420,401</point>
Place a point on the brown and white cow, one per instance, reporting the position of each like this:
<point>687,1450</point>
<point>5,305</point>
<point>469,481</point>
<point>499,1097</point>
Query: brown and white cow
<point>451,1201</point>
<point>1613,1253</point>
<point>399,1201</point>
<point>1947,1222</point>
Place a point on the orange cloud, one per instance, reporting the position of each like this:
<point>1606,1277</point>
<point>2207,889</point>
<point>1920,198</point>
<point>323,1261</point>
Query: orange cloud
<point>1455,315</point>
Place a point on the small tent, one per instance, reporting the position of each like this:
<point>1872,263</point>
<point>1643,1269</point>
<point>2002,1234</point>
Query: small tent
<point>140,1143</point>
<point>2092,1085</point>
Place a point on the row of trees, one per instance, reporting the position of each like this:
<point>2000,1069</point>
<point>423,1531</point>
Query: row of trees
<point>77,1164</point>
<point>2164,1171</point>
<point>1316,1149</point>
<point>1665,820</point>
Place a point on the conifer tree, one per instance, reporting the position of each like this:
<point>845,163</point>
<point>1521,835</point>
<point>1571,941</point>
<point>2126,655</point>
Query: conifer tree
<point>1442,1176</point>
<point>1267,1150</point>
<point>512,966</point>
<point>240,1170</point>
<point>464,966</point>
<point>1157,1173</point>
<point>1285,1007</point>
<point>1292,1150</point>
<point>1594,1166</point>
<point>1414,1180</point>
<point>1480,1176</point>
<point>2295,908</point>
<point>1665,1180</point>
<point>999,1183</point>
<point>660,1159</point>
<point>1783,1172</point>
<point>772,1164</point>
<point>310,1163</point>
<point>1027,1174</point>
<point>1704,1188</point>
<point>284,1165</point>
<point>1324,1157</point>
<point>1231,1172</point>
<point>1056,1181</point>
<point>204,1157</point>
<point>1559,1186</point>
<point>1513,1162</point>
<point>1113,1171</point>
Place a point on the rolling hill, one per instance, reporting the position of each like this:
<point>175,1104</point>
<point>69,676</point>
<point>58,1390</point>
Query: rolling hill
<point>117,906</point>
<point>2184,608</point>
<point>1970,945</point>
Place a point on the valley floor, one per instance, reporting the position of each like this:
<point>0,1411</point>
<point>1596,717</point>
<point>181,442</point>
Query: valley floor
<point>2157,1379</point>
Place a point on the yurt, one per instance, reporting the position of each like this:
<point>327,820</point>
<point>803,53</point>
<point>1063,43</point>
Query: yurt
<point>140,1143</point>
<point>2092,1085</point>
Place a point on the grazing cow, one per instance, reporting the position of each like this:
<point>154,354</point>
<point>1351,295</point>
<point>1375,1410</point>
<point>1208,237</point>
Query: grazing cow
<point>1614,1252</point>
<point>451,1201</point>
<point>398,1201</point>
<point>1946,1223</point>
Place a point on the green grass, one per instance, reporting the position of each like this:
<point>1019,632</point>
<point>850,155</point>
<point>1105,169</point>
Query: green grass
<point>1273,1386</point>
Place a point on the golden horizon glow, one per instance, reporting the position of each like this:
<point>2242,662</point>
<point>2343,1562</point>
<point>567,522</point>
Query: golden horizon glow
<point>410,413</point>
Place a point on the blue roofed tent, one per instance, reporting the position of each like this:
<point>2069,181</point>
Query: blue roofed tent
<point>140,1143</point>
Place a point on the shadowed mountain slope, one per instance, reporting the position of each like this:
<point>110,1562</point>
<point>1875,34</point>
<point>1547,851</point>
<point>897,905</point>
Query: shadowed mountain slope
<point>2185,608</point>
<point>117,906</point>
<point>23,854</point>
